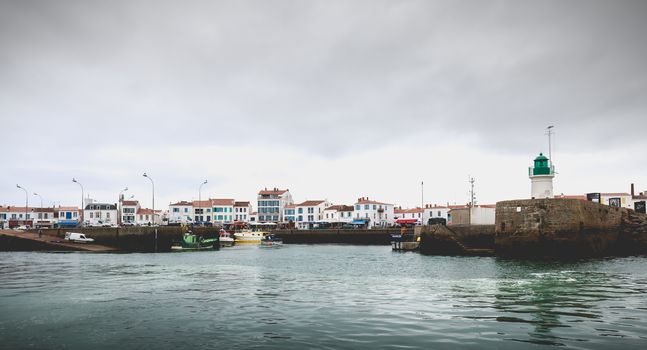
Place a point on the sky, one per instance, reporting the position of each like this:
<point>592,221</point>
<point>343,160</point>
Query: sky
<point>331,99</point>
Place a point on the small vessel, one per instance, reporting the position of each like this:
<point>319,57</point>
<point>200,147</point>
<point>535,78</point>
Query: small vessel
<point>403,243</point>
<point>248,236</point>
<point>271,240</point>
<point>226,240</point>
<point>194,242</point>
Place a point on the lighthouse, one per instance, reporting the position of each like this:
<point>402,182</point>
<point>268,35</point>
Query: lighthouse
<point>541,178</point>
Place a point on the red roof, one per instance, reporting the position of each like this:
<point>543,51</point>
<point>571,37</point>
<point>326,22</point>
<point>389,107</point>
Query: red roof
<point>129,203</point>
<point>368,201</point>
<point>146,211</point>
<point>241,204</point>
<point>272,191</point>
<point>310,203</point>
<point>615,194</point>
<point>182,203</point>
<point>223,201</point>
<point>202,204</point>
<point>340,207</point>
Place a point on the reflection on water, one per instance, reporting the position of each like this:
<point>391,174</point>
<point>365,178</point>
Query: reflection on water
<point>321,296</point>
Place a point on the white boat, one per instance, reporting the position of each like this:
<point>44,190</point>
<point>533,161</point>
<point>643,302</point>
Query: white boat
<point>247,236</point>
<point>226,240</point>
<point>271,240</point>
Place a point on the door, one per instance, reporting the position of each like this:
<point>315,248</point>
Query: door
<point>68,215</point>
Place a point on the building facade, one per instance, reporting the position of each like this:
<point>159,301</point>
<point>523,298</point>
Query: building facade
<point>242,211</point>
<point>309,213</point>
<point>100,214</point>
<point>375,214</point>
<point>270,204</point>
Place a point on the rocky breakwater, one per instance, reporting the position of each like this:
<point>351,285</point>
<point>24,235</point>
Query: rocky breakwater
<point>567,228</point>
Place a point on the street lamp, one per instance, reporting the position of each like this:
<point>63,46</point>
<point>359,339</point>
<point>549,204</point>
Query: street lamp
<point>153,183</point>
<point>81,213</point>
<point>119,221</point>
<point>41,199</point>
<point>200,200</point>
<point>26,201</point>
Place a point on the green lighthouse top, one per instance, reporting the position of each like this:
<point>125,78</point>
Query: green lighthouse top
<point>541,165</point>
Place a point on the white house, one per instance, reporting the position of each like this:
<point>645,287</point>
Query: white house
<point>181,212</point>
<point>242,211</point>
<point>14,216</point>
<point>128,211</point>
<point>289,213</point>
<point>146,217</point>
<point>270,204</point>
<point>617,199</point>
<point>374,214</point>
<point>223,211</point>
<point>412,216</point>
<point>67,216</point>
<point>338,214</point>
<point>97,214</point>
<point>433,212</point>
<point>309,213</point>
<point>44,217</point>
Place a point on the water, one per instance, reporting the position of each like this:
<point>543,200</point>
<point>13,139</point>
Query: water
<point>317,296</point>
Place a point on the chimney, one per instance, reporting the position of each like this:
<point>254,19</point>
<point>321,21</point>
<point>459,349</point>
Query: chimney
<point>632,190</point>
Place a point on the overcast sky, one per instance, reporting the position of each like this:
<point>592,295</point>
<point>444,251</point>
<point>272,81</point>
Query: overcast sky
<point>331,99</point>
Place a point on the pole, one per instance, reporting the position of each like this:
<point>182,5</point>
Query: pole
<point>200,201</point>
<point>422,202</point>
<point>41,199</point>
<point>121,198</point>
<point>153,184</point>
<point>82,207</point>
<point>26,201</point>
<point>550,153</point>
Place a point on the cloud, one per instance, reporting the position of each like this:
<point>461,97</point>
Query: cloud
<point>328,79</point>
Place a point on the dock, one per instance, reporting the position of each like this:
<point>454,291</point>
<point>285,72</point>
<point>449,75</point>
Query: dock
<point>11,240</point>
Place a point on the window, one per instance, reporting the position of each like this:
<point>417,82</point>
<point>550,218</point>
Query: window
<point>186,210</point>
<point>40,216</point>
<point>374,207</point>
<point>76,214</point>
<point>439,213</point>
<point>357,207</point>
<point>366,206</point>
<point>91,215</point>
<point>108,215</point>
<point>300,218</point>
<point>175,210</point>
<point>300,210</point>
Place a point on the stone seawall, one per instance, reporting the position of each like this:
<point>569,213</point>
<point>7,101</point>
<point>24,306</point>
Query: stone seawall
<point>135,239</point>
<point>457,240</point>
<point>364,237</point>
<point>567,228</point>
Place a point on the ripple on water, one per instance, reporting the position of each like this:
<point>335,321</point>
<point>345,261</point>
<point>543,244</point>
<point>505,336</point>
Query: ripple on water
<point>322,296</point>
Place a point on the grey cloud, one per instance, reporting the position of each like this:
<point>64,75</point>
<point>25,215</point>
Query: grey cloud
<point>329,76</point>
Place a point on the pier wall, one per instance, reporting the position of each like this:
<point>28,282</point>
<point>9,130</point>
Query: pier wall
<point>364,237</point>
<point>134,239</point>
<point>559,227</point>
<point>457,239</point>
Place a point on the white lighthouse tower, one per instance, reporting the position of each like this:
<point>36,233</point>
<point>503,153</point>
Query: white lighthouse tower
<point>541,178</point>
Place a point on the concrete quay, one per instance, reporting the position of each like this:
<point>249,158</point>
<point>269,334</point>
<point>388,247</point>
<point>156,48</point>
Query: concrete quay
<point>29,241</point>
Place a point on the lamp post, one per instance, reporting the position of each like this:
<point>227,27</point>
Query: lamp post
<point>549,132</point>
<point>26,201</point>
<point>81,213</point>
<point>153,183</point>
<point>200,200</point>
<point>41,199</point>
<point>121,198</point>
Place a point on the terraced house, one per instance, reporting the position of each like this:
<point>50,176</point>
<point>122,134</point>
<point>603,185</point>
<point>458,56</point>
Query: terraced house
<point>271,203</point>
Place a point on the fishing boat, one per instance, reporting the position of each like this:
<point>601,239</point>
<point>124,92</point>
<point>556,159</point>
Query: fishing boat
<point>248,236</point>
<point>191,242</point>
<point>226,240</point>
<point>271,240</point>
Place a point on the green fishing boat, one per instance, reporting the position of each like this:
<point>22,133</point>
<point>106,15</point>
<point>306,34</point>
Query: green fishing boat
<point>191,241</point>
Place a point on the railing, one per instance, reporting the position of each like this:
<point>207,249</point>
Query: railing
<point>541,171</point>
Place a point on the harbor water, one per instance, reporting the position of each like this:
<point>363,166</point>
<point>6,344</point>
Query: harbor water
<point>318,296</point>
